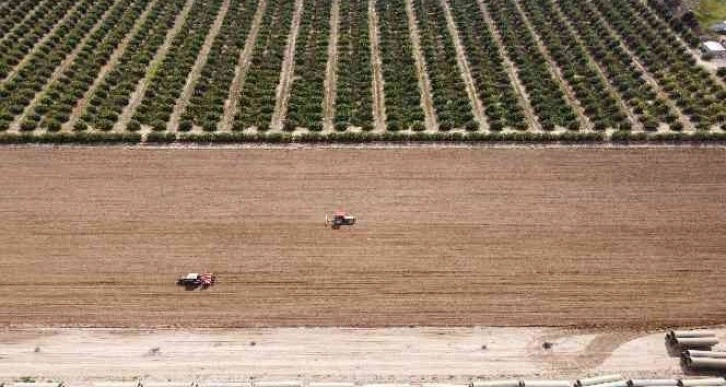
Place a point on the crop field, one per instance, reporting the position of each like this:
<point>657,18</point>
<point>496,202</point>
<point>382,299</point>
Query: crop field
<point>175,68</point>
<point>446,237</point>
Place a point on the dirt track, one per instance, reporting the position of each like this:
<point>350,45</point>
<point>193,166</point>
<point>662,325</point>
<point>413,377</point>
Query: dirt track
<point>498,237</point>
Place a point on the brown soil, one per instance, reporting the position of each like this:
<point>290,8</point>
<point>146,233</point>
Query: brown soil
<point>504,237</point>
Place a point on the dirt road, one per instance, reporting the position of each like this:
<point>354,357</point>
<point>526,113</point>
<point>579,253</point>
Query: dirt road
<point>382,355</point>
<point>447,237</point>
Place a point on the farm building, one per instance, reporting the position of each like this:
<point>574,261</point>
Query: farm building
<point>715,49</point>
<point>719,28</point>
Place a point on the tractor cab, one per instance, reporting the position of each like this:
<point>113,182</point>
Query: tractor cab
<point>339,218</point>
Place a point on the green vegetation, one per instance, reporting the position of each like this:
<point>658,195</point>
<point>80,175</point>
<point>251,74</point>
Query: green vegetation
<point>709,12</point>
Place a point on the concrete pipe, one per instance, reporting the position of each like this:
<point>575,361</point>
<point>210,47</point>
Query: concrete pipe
<point>619,383</point>
<point>43,384</point>
<point>223,384</point>
<point>713,354</point>
<point>546,383</point>
<point>691,334</point>
<point>496,383</point>
<point>696,342</point>
<point>706,362</point>
<point>598,380</point>
<point>702,382</point>
<point>652,382</point>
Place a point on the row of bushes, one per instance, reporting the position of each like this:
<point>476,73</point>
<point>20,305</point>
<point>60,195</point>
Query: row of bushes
<point>108,138</point>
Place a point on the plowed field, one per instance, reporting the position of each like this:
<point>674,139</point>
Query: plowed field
<point>502,237</point>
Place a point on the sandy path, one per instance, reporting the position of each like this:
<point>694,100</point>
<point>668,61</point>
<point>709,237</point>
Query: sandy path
<point>637,125</point>
<point>379,104</point>
<point>65,64</point>
<point>331,69</point>
<point>511,69</point>
<point>288,70</point>
<point>476,105</point>
<point>112,62</point>
<point>243,64</point>
<point>40,42</point>
<point>427,102</point>
<point>555,71</point>
<point>687,124</point>
<point>392,355</point>
<point>138,95</point>
<point>183,101</point>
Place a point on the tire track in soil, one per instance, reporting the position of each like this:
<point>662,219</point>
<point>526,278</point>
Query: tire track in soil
<point>243,64</point>
<point>476,105</point>
<point>183,101</point>
<point>424,84</point>
<point>288,70</point>
<point>687,124</point>
<point>379,104</point>
<point>331,69</point>
<point>529,113</point>
<point>637,125</point>
<point>555,71</point>
<point>140,91</point>
<point>112,62</point>
<point>65,64</point>
<point>39,43</point>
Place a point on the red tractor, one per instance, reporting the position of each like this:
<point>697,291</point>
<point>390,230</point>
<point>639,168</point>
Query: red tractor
<point>339,218</point>
<point>196,280</point>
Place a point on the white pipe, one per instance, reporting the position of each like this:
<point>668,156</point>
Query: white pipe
<point>598,380</point>
<point>114,384</point>
<point>652,382</point>
<point>32,384</point>
<point>619,383</point>
<point>698,342</point>
<point>207,383</point>
<point>691,334</point>
<point>706,362</point>
<point>702,382</point>
<point>166,384</point>
<point>496,383</point>
<point>546,383</point>
<point>331,384</point>
<point>712,354</point>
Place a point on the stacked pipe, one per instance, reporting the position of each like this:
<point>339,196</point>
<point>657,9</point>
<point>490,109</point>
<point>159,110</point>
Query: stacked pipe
<point>615,380</point>
<point>691,339</point>
<point>705,382</point>
<point>704,359</point>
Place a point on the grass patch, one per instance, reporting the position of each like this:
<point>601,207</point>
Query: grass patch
<point>710,12</point>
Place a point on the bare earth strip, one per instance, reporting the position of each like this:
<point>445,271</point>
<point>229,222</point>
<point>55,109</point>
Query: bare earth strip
<point>427,102</point>
<point>529,113</point>
<point>687,124</point>
<point>243,64</point>
<point>288,70</point>
<point>637,125</point>
<point>389,355</point>
<point>40,42</point>
<point>446,237</point>
<point>112,62</point>
<point>555,71</point>
<point>476,105</point>
<point>195,73</point>
<point>331,68</point>
<point>379,104</point>
<point>65,64</point>
<point>138,95</point>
